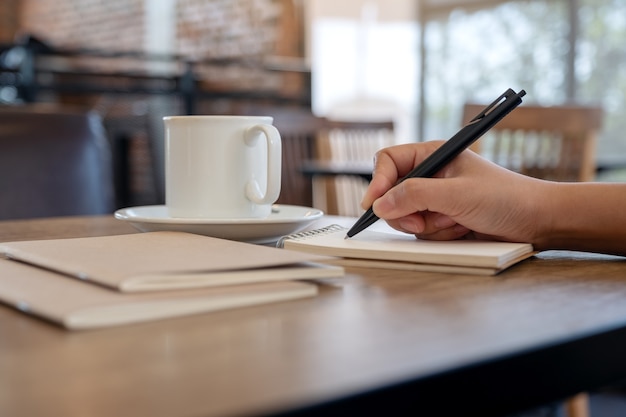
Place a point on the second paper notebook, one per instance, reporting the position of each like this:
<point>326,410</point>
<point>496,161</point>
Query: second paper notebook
<point>167,260</point>
<point>402,251</point>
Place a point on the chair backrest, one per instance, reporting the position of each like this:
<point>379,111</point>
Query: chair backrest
<point>554,143</point>
<point>353,141</point>
<point>306,137</point>
<point>53,163</point>
<point>348,144</point>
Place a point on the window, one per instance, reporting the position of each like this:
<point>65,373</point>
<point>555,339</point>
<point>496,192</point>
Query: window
<point>364,61</point>
<point>475,55</point>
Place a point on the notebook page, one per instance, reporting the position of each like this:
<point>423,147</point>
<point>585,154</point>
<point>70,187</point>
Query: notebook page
<point>406,248</point>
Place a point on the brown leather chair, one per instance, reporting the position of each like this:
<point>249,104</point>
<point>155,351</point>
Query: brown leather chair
<point>53,162</point>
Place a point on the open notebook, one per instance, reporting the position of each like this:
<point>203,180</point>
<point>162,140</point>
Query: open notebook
<point>77,305</point>
<point>167,260</point>
<point>399,251</point>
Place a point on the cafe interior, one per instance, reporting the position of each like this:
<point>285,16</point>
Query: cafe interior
<point>85,84</point>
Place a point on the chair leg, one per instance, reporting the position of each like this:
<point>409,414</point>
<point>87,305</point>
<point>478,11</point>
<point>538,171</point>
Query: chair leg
<point>577,406</point>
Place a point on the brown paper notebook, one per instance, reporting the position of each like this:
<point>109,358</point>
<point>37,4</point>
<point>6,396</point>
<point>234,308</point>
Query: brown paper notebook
<point>399,251</point>
<point>78,305</point>
<point>167,260</point>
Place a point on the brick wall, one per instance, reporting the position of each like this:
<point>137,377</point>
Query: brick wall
<point>204,28</point>
<point>9,18</point>
<point>227,28</point>
<point>98,24</point>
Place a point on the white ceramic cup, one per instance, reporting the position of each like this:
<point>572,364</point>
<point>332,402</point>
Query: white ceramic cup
<point>221,167</point>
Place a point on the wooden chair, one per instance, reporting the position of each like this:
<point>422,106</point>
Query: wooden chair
<point>298,129</point>
<point>306,137</point>
<point>53,162</point>
<point>554,143</point>
<point>348,147</point>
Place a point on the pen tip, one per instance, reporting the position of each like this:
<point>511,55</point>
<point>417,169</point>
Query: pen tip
<point>347,237</point>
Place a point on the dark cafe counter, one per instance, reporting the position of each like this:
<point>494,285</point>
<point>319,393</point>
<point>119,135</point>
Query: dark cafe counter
<point>374,342</point>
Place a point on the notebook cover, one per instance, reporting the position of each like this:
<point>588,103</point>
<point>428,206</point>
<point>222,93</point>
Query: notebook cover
<point>166,260</point>
<point>73,304</point>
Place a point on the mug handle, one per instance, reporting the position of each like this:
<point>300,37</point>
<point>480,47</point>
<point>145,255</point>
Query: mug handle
<point>274,157</point>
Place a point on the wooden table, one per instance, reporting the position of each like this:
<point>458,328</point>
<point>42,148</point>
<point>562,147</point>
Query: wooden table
<point>374,342</point>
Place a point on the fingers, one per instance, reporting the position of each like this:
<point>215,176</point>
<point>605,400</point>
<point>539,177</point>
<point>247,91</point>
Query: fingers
<point>451,233</point>
<point>382,180</point>
<point>411,224</point>
<point>417,195</point>
<point>392,164</point>
<point>428,225</point>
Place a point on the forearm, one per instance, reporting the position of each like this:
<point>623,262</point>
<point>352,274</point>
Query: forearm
<point>583,216</point>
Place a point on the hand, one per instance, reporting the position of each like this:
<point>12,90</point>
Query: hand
<point>469,198</point>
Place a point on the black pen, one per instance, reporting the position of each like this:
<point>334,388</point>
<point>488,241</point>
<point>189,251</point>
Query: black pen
<point>480,124</point>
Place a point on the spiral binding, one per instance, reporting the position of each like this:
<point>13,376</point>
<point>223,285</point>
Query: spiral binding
<point>301,235</point>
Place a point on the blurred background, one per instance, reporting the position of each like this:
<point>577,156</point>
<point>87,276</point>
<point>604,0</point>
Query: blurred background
<point>413,62</point>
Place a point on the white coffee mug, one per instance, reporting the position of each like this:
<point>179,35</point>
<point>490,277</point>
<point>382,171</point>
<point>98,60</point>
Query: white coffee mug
<point>221,167</point>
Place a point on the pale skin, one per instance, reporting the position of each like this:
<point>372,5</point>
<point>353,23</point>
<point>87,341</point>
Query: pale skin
<point>474,198</point>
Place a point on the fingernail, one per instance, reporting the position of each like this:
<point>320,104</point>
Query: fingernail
<point>409,226</point>
<point>460,229</point>
<point>443,222</point>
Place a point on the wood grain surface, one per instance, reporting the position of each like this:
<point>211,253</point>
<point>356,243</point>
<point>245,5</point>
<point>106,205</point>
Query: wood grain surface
<point>366,330</point>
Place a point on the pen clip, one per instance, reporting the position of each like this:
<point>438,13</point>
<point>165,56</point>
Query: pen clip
<point>506,95</point>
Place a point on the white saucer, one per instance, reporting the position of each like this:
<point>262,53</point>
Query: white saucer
<point>284,220</point>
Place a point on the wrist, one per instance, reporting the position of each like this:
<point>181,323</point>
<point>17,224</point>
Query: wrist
<point>552,225</point>
<point>582,216</point>
<point>542,212</point>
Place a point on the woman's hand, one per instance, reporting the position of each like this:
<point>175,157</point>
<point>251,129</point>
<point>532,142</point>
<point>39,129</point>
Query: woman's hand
<point>474,198</point>
<point>469,198</point>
